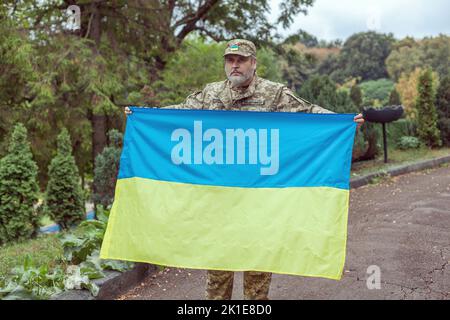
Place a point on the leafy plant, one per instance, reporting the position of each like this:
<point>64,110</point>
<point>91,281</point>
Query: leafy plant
<point>30,282</point>
<point>80,265</point>
<point>408,142</point>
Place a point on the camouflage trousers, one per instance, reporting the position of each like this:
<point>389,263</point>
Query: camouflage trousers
<point>220,285</point>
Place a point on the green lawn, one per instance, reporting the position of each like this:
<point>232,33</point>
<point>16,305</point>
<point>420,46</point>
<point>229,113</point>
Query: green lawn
<point>396,158</point>
<point>44,250</point>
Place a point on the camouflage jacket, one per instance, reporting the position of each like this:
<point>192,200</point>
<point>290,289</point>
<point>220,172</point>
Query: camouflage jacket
<point>260,95</point>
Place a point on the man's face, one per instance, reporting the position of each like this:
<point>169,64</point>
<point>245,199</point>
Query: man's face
<point>239,69</point>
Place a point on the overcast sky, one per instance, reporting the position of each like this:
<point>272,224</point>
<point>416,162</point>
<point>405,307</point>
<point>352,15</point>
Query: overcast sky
<point>338,19</point>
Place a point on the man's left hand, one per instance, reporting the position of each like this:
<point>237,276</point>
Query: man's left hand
<point>359,120</point>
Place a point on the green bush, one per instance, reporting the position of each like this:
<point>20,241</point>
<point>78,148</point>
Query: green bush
<point>408,142</point>
<point>397,129</point>
<point>19,218</point>
<point>64,197</point>
<point>106,170</point>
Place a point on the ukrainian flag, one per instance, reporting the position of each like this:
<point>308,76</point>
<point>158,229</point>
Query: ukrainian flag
<point>233,190</point>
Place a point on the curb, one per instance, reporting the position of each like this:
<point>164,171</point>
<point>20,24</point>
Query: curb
<point>116,283</point>
<point>395,171</point>
<point>112,285</point>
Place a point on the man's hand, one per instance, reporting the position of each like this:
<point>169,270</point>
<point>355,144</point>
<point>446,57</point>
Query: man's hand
<point>359,120</point>
<point>128,111</point>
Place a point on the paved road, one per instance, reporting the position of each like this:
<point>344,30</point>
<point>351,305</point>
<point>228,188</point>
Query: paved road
<point>401,225</point>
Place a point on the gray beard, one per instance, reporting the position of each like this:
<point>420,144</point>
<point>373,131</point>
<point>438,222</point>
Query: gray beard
<point>237,81</point>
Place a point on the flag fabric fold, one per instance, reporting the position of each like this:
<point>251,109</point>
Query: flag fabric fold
<point>233,190</point>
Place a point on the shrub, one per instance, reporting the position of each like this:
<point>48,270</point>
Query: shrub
<point>402,127</point>
<point>408,142</point>
<point>106,169</point>
<point>64,197</point>
<point>19,189</point>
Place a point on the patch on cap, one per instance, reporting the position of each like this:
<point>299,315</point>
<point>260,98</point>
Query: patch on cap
<point>234,47</point>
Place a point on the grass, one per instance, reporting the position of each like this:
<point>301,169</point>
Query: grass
<point>44,250</point>
<point>396,158</point>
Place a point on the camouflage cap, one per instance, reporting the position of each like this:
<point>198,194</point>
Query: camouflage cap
<point>240,47</point>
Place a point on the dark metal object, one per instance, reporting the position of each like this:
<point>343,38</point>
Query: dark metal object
<point>383,116</point>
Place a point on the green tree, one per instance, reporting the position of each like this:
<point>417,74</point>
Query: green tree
<point>295,66</point>
<point>321,90</point>
<point>427,113</point>
<point>106,170</point>
<point>443,107</point>
<point>363,55</point>
<point>19,218</point>
<point>16,76</point>
<point>376,90</point>
<point>304,37</point>
<point>409,54</point>
<point>394,98</point>
<point>64,197</point>
<point>357,96</point>
<point>146,33</point>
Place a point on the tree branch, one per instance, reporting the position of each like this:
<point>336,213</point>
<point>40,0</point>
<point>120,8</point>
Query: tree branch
<point>210,34</point>
<point>190,24</point>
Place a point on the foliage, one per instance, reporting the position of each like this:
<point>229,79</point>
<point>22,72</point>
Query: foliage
<point>199,62</point>
<point>357,96</point>
<point>295,65</point>
<point>190,69</point>
<point>408,142</point>
<point>394,98</point>
<point>106,169</point>
<point>410,54</point>
<point>407,88</point>
<point>402,127</point>
<point>268,65</point>
<point>84,245</point>
<point>376,90</point>
<point>19,218</point>
<point>303,37</point>
<point>29,282</point>
<point>64,199</point>
<point>79,267</point>
<point>321,90</point>
<point>16,56</point>
<point>426,111</point>
<point>443,108</point>
<point>363,55</point>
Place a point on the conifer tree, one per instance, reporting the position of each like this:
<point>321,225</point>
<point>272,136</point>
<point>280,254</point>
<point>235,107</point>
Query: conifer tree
<point>64,196</point>
<point>394,98</point>
<point>427,114</point>
<point>106,169</point>
<point>443,107</point>
<point>18,190</point>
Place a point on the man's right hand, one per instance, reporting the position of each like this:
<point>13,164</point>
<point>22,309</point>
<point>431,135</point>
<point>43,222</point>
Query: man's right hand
<point>128,111</point>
